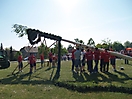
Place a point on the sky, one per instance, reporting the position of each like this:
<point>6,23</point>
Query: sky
<point>70,19</point>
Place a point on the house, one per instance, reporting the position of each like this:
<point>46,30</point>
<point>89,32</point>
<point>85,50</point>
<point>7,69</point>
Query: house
<point>27,50</point>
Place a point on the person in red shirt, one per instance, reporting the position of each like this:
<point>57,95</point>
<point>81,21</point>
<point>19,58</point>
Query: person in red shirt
<point>126,53</point>
<point>113,60</point>
<point>54,60</point>
<point>89,57</point>
<point>20,64</point>
<point>32,62</point>
<point>101,60</point>
<point>42,59</point>
<point>73,58</point>
<point>106,60</point>
<point>96,59</point>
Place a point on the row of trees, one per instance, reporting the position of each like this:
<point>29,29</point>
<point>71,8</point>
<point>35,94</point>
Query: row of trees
<point>43,49</point>
<point>106,43</point>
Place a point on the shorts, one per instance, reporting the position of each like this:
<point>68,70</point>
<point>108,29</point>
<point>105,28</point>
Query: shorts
<point>83,62</point>
<point>50,60</point>
<point>20,65</point>
<point>112,61</point>
<point>31,65</point>
<point>77,63</point>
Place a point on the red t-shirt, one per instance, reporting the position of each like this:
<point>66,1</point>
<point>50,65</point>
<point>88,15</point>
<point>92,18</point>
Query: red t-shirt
<point>50,55</point>
<point>106,56</point>
<point>20,58</point>
<point>42,57</point>
<point>32,59</point>
<point>112,56</point>
<point>96,55</point>
<point>102,55</point>
<point>89,55</point>
<point>73,57</point>
<point>54,58</point>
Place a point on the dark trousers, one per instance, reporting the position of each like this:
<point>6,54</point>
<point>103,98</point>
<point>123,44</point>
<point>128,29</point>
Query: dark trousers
<point>73,64</point>
<point>106,66</point>
<point>126,61</point>
<point>101,65</point>
<point>90,65</point>
<point>96,65</point>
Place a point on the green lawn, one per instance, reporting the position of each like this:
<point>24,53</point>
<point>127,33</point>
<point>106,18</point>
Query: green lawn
<point>45,84</point>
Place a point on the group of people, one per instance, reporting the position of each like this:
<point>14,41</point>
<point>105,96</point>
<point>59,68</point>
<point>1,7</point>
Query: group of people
<point>80,57</point>
<point>128,53</point>
<point>32,61</point>
<point>52,59</point>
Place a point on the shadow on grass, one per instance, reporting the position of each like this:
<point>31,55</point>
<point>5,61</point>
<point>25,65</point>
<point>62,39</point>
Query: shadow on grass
<point>48,69</point>
<point>101,77</point>
<point>84,77</point>
<point>56,77</point>
<point>20,78</point>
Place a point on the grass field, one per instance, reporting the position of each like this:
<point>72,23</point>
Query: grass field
<point>45,84</point>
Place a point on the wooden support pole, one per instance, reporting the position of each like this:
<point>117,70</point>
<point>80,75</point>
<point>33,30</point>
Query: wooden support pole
<point>59,57</point>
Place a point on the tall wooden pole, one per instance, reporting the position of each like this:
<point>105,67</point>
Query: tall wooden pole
<point>59,57</point>
<point>111,52</point>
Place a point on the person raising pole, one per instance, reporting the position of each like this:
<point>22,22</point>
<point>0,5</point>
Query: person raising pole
<point>20,64</point>
<point>113,60</point>
<point>77,55</point>
<point>73,58</point>
<point>96,59</point>
<point>42,60</point>
<point>106,60</point>
<point>31,59</point>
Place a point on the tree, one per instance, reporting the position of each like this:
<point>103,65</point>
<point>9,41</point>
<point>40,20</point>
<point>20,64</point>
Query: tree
<point>117,46</point>
<point>63,49</point>
<point>79,41</point>
<point>91,42</point>
<point>128,44</point>
<point>1,47</point>
<point>106,43</point>
<point>17,54</point>
<point>99,45</point>
<point>20,30</point>
<point>105,46</point>
<point>7,52</point>
<point>43,49</point>
<point>76,40</point>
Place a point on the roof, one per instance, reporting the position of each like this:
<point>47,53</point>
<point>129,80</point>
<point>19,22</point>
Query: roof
<point>30,49</point>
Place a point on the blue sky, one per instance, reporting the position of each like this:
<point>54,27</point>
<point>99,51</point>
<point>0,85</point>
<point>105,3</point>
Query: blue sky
<point>83,19</point>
